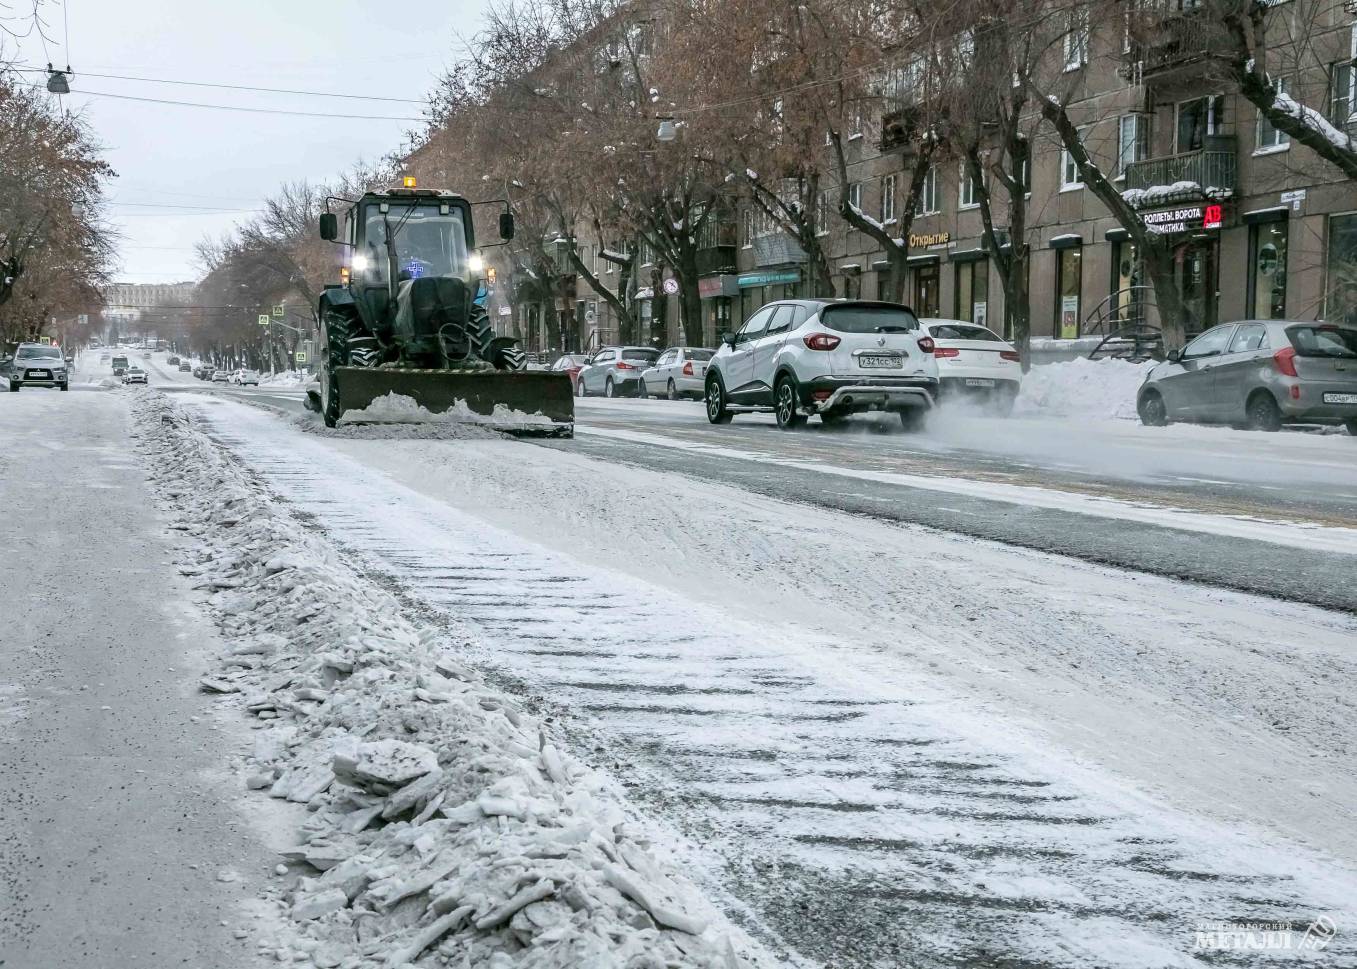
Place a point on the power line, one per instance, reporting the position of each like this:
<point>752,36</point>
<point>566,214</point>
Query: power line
<point>237,107</point>
<point>235,87</point>
<point>175,205</point>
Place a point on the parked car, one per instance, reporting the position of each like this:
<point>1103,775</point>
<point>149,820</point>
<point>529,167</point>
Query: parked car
<point>975,362</point>
<point>570,363</point>
<point>832,358</point>
<point>679,372</point>
<point>219,376</point>
<point>1257,374</point>
<point>134,375</point>
<point>245,378</point>
<point>186,368</point>
<point>172,361</point>
<point>119,365</point>
<point>614,371</point>
<point>37,365</point>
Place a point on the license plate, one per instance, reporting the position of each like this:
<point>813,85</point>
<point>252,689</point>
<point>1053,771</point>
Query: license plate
<point>880,362</point>
<point>1340,398</point>
<point>38,374</point>
<point>979,382</point>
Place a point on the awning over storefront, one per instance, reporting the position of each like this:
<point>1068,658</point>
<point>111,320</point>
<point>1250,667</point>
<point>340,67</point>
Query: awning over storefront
<point>1278,213</point>
<point>1068,241</point>
<point>769,278</point>
<point>923,260</point>
<point>969,255</point>
<point>710,287</point>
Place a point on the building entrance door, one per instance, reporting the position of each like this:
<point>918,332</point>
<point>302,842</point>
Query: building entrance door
<point>927,279</point>
<point>1196,268</point>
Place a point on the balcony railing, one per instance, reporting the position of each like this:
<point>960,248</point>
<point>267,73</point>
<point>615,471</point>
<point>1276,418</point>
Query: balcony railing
<point>1170,44</point>
<point>1212,171</point>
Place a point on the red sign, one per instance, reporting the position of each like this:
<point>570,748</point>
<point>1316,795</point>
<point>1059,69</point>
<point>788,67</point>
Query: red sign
<point>1212,218</point>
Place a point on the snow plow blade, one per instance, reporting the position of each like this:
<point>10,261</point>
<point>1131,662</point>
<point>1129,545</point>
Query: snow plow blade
<point>530,402</point>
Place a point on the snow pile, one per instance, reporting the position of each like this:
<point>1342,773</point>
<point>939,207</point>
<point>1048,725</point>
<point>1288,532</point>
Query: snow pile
<point>399,408</point>
<point>444,431</point>
<point>288,378</point>
<point>445,826</point>
<point>1104,388</point>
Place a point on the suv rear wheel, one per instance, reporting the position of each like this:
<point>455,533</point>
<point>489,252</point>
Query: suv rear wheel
<point>789,416</point>
<point>717,411</point>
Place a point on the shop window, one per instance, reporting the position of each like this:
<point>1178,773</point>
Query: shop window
<point>1199,119</point>
<point>1340,298</point>
<point>972,291</point>
<point>1128,302</point>
<point>1269,138</point>
<point>926,288</point>
<point>1340,91</point>
<point>855,195</point>
<point>1267,271</point>
<point>1068,291</point>
<point>1077,38</point>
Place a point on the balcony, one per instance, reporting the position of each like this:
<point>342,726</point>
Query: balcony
<point>1166,47</point>
<point>716,247</point>
<point>899,129</point>
<point>1193,175</point>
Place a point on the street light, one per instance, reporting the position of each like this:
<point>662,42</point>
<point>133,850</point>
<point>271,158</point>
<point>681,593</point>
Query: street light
<point>56,80</point>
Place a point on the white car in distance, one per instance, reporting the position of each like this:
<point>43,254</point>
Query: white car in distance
<point>679,372</point>
<point>976,363</point>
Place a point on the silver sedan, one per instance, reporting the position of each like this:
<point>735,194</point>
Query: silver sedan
<point>679,372</point>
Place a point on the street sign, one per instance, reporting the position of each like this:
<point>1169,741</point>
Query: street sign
<point>279,311</point>
<point>671,286</point>
<point>301,356</point>
<point>83,319</point>
<point>263,319</point>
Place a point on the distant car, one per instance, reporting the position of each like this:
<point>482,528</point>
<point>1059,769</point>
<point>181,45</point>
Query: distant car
<point>570,364</point>
<point>827,358</point>
<point>120,365</point>
<point>220,376</point>
<point>186,368</point>
<point>37,365</point>
<point>679,372</point>
<point>172,361</point>
<point>103,358</point>
<point>1258,374</point>
<point>134,375</point>
<point>975,362</point>
<point>615,371</point>
<point>202,373</point>
<point>245,378</point>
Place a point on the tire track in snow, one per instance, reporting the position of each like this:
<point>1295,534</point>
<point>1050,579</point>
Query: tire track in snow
<point>870,822</point>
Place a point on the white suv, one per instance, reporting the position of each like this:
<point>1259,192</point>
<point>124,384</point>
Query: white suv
<point>827,357</point>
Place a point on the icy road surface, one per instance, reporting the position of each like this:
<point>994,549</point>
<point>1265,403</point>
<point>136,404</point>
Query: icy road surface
<point>896,746</point>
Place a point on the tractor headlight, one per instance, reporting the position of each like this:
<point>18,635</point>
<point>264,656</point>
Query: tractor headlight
<point>476,263</point>
<point>359,263</point>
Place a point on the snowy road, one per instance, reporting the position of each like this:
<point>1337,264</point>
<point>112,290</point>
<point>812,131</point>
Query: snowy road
<point>894,745</point>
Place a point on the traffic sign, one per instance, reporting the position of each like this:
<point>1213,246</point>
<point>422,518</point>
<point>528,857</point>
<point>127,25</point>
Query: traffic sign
<point>671,286</point>
<point>301,356</point>
<point>263,319</point>
<point>279,311</point>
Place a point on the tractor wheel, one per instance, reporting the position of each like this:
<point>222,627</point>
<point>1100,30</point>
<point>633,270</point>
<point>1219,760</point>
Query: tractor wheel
<point>333,356</point>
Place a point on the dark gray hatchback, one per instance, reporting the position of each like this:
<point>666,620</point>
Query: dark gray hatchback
<point>1259,374</point>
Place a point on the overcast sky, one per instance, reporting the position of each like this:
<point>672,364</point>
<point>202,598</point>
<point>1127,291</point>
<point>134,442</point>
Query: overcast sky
<point>228,159</point>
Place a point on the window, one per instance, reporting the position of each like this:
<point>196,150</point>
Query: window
<point>1210,343</point>
<point>855,195</point>
<point>928,193</point>
<point>1133,140</point>
<point>1076,38</point>
<point>972,292</point>
<point>966,195</point>
<point>1340,91</point>
<point>822,213</point>
<point>747,219</point>
<point>1269,138</point>
<point>755,325</point>
<point>1024,173</point>
<point>1340,287</point>
<point>1248,338</point>
<point>1070,179</point>
<point>1199,119</point>
<point>1267,271</point>
<point>1068,280</point>
<point>888,199</point>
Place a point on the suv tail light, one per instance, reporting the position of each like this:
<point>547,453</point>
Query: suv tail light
<point>1010,355</point>
<point>688,369</point>
<point>821,341</point>
<point>623,365</point>
<point>943,351</point>
<point>1285,358</point>
<point>926,345</point>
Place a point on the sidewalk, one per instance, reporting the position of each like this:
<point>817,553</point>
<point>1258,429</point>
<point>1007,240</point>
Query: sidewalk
<point>119,844</point>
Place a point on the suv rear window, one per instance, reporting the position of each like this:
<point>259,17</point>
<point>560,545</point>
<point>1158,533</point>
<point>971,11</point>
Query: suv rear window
<point>869,319</point>
<point>649,356</point>
<point>1323,341</point>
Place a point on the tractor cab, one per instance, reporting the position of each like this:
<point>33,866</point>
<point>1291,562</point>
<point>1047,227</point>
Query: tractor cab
<point>406,233</point>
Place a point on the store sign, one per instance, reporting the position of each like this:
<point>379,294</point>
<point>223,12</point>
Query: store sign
<point>770,279</point>
<point>929,240</point>
<point>1185,218</point>
<point>709,287</point>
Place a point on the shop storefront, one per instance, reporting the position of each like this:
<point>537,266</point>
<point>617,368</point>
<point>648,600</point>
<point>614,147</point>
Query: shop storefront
<point>719,294</point>
<point>1195,228</point>
<point>765,286</point>
<point>1340,302</point>
<point>970,290</point>
<point>1269,233</point>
